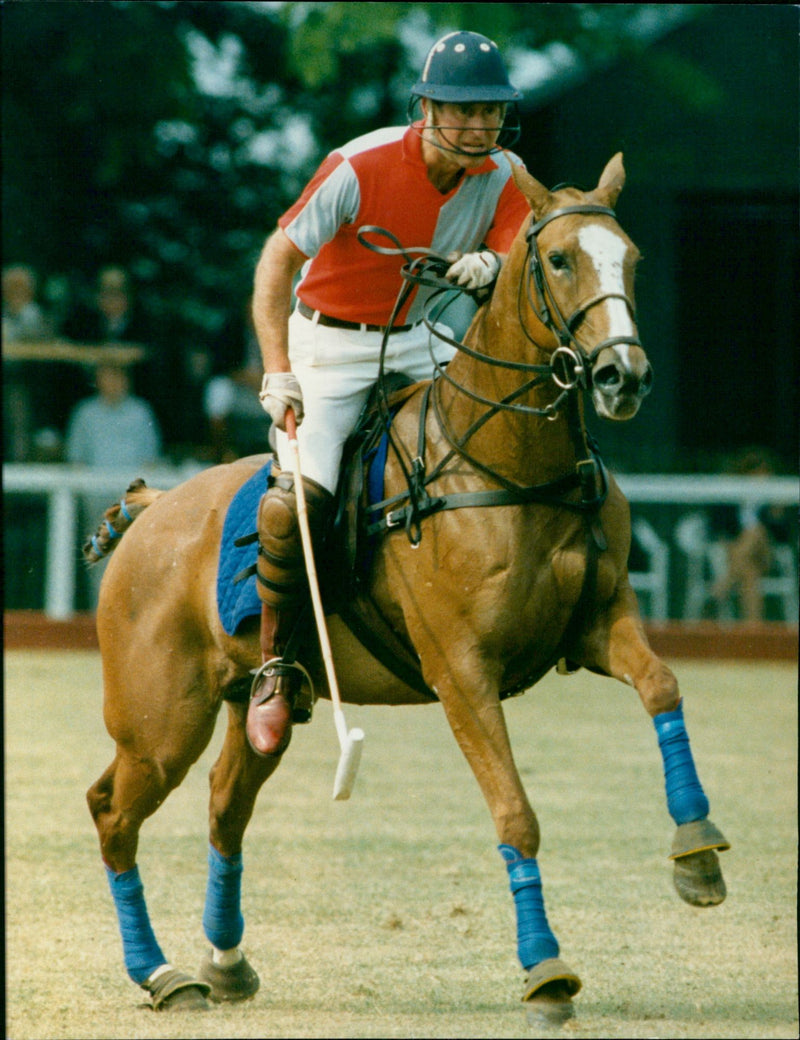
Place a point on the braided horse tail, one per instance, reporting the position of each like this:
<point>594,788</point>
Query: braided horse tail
<point>117,519</point>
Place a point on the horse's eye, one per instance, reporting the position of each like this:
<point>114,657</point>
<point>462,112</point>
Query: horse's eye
<point>557,261</point>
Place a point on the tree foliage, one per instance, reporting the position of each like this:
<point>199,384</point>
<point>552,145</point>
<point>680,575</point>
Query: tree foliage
<point>118,147</point>
<point>112,154</point>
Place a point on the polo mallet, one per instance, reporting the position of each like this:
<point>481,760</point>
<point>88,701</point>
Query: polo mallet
<point>351,743</point>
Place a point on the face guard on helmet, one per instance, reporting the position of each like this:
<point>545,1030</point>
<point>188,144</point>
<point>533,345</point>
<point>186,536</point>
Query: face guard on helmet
<point>467,68</point>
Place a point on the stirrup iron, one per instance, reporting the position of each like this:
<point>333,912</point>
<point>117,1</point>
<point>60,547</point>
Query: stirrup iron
<point>302,705</point>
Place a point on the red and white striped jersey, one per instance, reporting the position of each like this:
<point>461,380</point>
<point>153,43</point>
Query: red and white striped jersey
<point>381,179</point>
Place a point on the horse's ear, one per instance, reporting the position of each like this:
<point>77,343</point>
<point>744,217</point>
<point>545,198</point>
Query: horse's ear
<point>536,194</point>
<point>611,181</point>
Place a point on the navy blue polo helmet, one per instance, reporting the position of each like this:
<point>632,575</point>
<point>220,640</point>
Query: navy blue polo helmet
<point>465,67</point>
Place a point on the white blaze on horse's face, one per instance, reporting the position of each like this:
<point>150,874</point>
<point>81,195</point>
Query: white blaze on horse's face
<point>621,373</point>
<point>607,251</point>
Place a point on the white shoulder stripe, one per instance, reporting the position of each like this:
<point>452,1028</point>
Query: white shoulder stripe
<point>375,139</point>
<point>335,202</point>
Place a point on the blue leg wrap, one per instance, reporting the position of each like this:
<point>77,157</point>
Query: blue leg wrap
<point>222,918</point>
<point>686,799</point>
<point>140,949</point>
<point>535,941</point>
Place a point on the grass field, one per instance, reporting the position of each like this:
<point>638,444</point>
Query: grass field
<point>389,915</point>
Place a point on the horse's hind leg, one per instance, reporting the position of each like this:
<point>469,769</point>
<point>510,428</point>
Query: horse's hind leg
<point>235,781</point>
<point>698,877</point>
<point>131,789</point>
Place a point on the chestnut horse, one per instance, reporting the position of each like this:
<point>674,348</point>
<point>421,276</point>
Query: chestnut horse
<point>500,551</point>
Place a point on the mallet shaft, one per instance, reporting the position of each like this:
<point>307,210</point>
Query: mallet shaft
<point>350,744</point>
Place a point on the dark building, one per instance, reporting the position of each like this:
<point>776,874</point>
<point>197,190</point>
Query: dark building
<point>707,119</point>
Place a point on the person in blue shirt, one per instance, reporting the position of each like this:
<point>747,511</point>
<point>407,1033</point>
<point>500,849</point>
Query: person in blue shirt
<point>113,429</point>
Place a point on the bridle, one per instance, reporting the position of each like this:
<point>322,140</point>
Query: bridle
<point>546,308</point>
<point>569,366</point>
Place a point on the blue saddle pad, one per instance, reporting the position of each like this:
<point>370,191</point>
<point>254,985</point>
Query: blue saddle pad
<point>238,601</point>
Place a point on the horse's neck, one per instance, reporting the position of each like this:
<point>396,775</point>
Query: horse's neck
<point>524,448</point>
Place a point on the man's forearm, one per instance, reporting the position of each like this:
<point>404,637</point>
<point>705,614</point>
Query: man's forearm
<point>272,299</point>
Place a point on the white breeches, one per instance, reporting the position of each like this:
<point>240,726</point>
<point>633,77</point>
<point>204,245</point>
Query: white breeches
<point>336,369</point>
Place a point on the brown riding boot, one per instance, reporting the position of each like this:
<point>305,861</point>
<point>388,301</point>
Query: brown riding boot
<point>275,696</point>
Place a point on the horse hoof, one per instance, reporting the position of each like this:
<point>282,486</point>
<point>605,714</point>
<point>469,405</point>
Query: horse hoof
<point>548,1013</point>
<point>698,879</point>
<point>548,994</point>
<point>191,998</point>
<point>237,982</point>
<point>698,836</point>
<point>175,991</point>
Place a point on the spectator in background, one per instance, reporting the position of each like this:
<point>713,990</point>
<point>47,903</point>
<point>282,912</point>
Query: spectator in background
<point>23,317</point>
<point>751,533</point>
<point>113,315</point>
<point>111,430</point>
<point>23,320</point>
<point>237,423</point>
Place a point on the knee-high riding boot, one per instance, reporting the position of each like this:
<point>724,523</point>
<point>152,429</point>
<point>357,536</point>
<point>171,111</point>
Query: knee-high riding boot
<point>283,589</point>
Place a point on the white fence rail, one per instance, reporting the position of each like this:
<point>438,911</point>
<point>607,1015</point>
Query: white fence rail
<point>62,486</point>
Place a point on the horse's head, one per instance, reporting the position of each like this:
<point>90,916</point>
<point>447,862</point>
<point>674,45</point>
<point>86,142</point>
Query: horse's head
<point>581,272</point>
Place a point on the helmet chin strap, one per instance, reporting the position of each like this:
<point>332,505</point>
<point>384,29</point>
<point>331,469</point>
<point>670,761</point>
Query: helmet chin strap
<point>438,140</point>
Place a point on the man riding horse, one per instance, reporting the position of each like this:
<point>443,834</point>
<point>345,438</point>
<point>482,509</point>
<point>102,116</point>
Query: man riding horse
<point>445,183</point>
<point>524,564</point>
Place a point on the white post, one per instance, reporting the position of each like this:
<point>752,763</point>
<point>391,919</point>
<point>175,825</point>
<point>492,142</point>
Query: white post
<point>62,516</point>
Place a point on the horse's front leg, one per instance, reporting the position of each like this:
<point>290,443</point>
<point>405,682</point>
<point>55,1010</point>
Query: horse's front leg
<point>471,703</point>
<point>235,781</point>
<point>621,649</point>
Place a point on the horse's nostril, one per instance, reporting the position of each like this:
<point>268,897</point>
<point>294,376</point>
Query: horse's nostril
<point>607,378</point>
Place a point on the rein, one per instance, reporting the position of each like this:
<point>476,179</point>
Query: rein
<point>568,366</point>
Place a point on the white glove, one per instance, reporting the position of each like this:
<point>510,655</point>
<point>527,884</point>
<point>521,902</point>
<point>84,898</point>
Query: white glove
<point>475,270</point>
<point>279,391</point>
